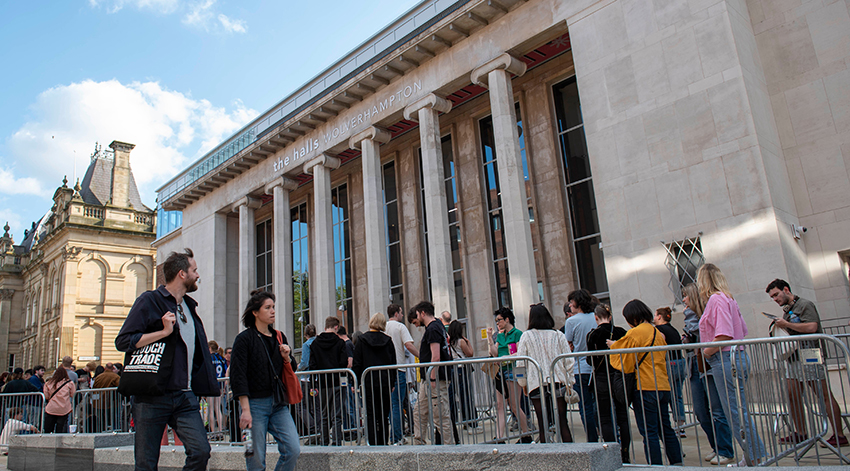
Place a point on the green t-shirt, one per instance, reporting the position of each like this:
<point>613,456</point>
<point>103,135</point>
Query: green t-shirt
<point>503,340</point>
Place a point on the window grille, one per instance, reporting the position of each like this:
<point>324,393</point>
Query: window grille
<point>684,257</point>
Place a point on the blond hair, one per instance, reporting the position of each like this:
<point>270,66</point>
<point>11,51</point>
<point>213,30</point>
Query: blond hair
<point>691,290</point>
<point>711,280</point>
<point>378,322</point>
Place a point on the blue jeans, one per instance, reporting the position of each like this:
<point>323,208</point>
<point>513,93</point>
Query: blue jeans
<point>587,406</point>
<point>709,411</point>
<point>397,400</point>
<point>676,371</point>
<point>730,389</point>
<point>181,411</point>
<point>652,415</point>
<point>274,419</point>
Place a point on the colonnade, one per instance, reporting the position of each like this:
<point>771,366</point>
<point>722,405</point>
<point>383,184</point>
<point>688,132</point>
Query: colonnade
<point>496,76</point>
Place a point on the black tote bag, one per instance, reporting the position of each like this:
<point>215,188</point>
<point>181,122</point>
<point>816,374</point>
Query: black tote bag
<point>143,366</point>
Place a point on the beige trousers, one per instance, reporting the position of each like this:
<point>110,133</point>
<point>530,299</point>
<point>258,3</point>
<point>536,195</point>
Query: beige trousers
<point>437,395</point>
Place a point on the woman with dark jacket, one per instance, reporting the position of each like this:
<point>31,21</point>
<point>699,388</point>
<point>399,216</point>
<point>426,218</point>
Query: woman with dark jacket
<point>375,348</point>
<point>258,355</point>
<point>611,396</point>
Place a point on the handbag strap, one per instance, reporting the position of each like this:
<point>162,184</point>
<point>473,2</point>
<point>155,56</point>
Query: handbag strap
<point>651,344</point>
<point>67,381</point>
<point>268,356</point>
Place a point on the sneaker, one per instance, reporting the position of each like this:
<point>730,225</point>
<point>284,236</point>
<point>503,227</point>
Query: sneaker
<point>472,430</point>
<point>722,460</point>
<point>682,434</point>
<point>710,456</point>
<point>836,441</point>
<point>525,439</point>
<point>794,438</point>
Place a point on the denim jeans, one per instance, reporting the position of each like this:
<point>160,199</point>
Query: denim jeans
<point>730,389</point>
<point>587,406</point>
<point>181,411</point>
<point>709,411</point>
<point>652,415</point>
<point>676,371</point>
<point>397,400</point>
<point>274,419</point>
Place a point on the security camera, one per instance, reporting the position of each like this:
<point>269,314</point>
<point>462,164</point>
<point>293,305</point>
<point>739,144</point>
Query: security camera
<point>798,231</point>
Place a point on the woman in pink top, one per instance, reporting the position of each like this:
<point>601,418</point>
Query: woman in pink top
<point>58,391</point>
<point>722,320</point>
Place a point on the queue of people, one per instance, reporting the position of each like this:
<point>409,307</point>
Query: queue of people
<point>605,386</point>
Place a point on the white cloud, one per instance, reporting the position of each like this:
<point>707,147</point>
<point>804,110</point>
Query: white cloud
<point>11,185</point>
<point>232,26</point>
<point>159,6</point>
<point>170,129</point>
<point>199,14</point>
<point>15,223</point>
<point>202,15</point>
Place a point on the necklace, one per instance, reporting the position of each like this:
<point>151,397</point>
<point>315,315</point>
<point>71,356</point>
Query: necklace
<point>182,314</point>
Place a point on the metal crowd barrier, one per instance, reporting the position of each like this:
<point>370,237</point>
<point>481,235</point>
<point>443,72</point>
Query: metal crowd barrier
<point>463,398</point>
<point>468,405</point>
<point>752,390</point>
<point>100,410</point>
<point>30,406</point>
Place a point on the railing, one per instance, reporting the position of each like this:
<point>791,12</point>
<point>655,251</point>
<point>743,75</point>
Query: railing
<point>100,410</point>
<point>752,392</point>
<point>93,212</point>
<point>21,413</point>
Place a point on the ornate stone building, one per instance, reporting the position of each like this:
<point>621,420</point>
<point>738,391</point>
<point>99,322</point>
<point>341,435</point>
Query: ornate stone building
<point>66,289</point>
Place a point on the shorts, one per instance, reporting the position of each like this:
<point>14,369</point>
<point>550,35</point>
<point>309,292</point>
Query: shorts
<point>798,371</point>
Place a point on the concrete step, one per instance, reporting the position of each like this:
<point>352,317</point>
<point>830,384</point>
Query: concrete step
<point>579,456</point>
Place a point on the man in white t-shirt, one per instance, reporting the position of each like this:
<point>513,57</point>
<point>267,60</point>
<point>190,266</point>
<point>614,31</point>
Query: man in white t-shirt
<point>401,340</point>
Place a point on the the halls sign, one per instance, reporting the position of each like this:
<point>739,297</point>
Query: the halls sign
<point>345,128</point>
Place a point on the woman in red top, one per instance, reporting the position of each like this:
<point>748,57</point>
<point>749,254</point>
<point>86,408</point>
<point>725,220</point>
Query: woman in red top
<point>58,391</point>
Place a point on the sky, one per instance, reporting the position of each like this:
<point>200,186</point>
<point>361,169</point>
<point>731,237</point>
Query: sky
<point>173,77</point>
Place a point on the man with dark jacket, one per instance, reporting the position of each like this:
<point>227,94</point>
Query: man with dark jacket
<point>328,352</point>
<point>190,373</point>
<point>37,378</point>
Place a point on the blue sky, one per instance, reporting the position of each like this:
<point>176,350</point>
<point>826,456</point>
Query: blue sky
<point>174,77</point>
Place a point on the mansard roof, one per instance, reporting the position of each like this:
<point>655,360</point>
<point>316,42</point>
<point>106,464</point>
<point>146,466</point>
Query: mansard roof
<point>96,187</point>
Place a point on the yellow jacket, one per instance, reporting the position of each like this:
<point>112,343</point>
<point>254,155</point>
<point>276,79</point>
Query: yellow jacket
<point>653,370</point>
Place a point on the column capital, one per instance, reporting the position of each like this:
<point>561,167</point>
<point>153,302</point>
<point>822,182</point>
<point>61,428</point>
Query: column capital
<point>503,61</point>
<point>325,160</point>
<point>249,201</point>
<point>283,182</point>
<point>428,101</point>
<point>372,132</point>
<point>6,294</point>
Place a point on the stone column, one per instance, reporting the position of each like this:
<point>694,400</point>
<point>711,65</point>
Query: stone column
<point>378,276</point>
<point>322,279</point>
<point>5,316</point>
<point>279,188</point>
<point>247,248</point>
<point>426,110</point>
<point>496,75</point>
<point>223,328</point>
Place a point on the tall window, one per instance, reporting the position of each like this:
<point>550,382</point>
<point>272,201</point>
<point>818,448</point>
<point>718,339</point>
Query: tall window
<point>579,185</point>
<point>300,273</point>
<point>264,256</point>
<point>494,207</point>
<point>450,175</point>
<point>342,255</point>
<point>392,231</point>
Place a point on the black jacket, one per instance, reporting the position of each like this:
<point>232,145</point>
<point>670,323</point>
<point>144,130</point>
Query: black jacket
<point>327,352</point>
<point>596,340</point>
<point>146,316</point>
<point>375,349</point>
<point>250,359</point>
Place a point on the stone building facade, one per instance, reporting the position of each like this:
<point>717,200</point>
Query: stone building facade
<point>68,286</point>
<point>487,153</point>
